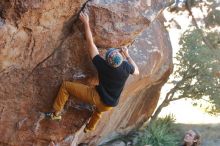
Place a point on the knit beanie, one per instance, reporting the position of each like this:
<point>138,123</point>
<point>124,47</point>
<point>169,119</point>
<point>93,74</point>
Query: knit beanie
<point>113,57</point>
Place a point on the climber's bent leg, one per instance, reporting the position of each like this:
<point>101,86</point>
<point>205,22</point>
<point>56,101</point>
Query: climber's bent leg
<point>85,94</point>
<point>96,116</point>
<point>77,90</point>
<point>93,121</point>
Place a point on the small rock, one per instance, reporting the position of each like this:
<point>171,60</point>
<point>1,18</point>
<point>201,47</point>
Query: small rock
<point>129,143</point>
<point>82,144</point>
<point>118,143</point>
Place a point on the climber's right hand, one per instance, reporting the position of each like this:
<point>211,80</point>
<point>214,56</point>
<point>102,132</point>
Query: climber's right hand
<point>84,17</point>
<point>124,50</point>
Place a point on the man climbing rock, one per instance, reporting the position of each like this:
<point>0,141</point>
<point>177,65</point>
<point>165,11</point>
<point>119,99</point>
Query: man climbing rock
<point>113,72</point>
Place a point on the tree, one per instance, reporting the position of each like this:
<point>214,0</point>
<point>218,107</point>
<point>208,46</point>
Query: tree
<point>197,73</point>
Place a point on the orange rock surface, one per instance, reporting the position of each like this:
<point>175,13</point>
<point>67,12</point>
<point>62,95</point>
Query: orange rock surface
<point>42,43</point>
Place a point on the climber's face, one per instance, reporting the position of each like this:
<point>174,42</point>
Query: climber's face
<point>190,137</point>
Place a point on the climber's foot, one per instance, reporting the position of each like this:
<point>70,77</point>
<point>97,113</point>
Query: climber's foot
<point>53,116</point>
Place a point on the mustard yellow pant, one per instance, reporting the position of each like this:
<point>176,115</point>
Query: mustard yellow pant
<point>85,94</point>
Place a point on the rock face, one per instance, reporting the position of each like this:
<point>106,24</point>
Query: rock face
<point>42,43</point>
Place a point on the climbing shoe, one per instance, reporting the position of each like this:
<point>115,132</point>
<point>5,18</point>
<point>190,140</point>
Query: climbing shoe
<point>52,116</point>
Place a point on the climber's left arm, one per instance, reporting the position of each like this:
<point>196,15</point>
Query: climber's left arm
<point>93,50</point>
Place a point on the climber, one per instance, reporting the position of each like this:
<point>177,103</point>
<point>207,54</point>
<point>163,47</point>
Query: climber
<point>113,72</point>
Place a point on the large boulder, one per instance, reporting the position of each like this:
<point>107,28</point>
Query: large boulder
<point>42,43</point>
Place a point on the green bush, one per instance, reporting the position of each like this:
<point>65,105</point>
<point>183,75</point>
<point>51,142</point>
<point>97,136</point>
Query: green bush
<point>160,133</point>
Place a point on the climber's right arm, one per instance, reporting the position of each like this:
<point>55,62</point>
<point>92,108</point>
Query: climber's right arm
<point>93,51</point>
<point>130,60</point>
